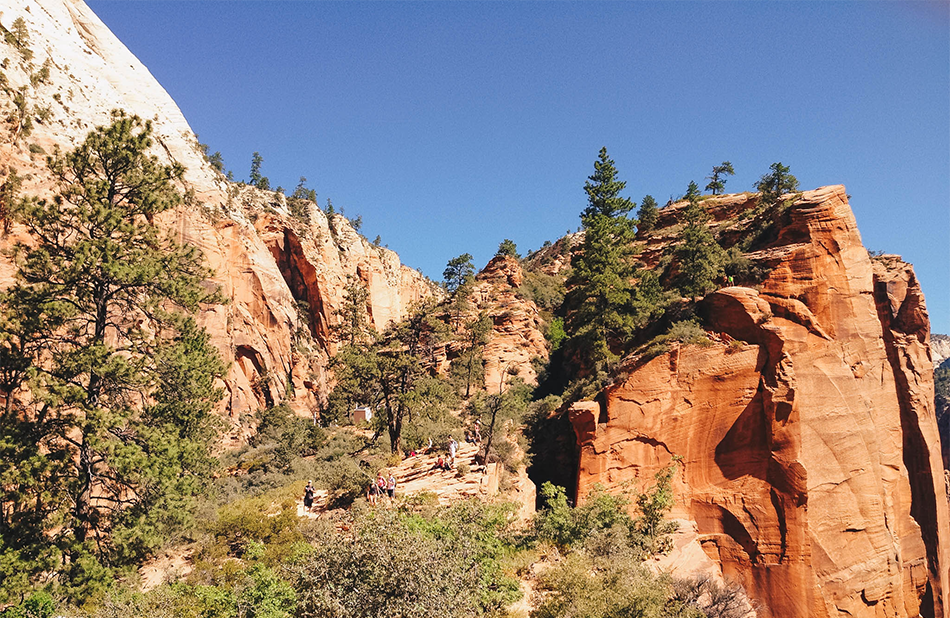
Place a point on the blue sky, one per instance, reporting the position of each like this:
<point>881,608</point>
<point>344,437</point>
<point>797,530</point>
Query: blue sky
<point>451,126</point>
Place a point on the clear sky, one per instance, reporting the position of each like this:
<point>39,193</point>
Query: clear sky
<point>450,126</point>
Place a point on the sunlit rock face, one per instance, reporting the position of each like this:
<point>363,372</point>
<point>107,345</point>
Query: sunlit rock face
<point>805,435</point>
<point>283,276</point>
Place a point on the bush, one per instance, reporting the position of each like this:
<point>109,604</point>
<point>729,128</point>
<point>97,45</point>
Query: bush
<point>443,562</point>
<point>546,291</point>
<point>37,605</point>
<point>688,332</point>
<point>606,514</point>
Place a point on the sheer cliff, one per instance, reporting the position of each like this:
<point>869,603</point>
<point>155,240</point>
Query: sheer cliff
<point>805,433</point>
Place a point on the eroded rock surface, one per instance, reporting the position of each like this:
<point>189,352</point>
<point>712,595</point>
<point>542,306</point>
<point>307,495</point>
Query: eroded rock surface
<point>516,336</point>
<point>810,462</point>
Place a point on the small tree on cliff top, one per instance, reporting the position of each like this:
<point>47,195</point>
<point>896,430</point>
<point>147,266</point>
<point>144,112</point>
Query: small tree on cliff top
<point>508,247</point>
<point>717,182</point>
<point>776,183</point>
<point>107,452</point>
<point>647,214</point>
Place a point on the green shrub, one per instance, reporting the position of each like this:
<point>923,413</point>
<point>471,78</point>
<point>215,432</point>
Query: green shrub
<point>442,562</point>
<point>688,332</point>
<point>37,605</point>
<point>546,291</point>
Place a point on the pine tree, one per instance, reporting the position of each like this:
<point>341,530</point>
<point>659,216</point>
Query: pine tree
<point>477,333</point>
<point>388,373</point>
<point>108,383</point>
<point>716,181</point>
<point>458,276</point>
<point>353,326</point>
<point>508,247</point>
<point>776,183</point>
<point>699,256</point>
<point>256,179</point>
<point>600,301</point>
<point>647,214</point>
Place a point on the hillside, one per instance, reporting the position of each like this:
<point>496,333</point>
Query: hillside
<point>277,270</point>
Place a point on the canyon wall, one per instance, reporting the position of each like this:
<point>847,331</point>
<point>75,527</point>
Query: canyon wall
<point>282,275</point>
<point>804,434</point>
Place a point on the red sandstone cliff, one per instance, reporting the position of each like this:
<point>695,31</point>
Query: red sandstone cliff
<point>810,459</point>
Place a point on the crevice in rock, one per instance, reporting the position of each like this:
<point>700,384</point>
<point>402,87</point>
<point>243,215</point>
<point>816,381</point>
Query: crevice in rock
<point>301,279</point>
<point>916,452</point>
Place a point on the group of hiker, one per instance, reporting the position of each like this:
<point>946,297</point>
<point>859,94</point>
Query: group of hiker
<point>381,487</point>
<point>386,486</point>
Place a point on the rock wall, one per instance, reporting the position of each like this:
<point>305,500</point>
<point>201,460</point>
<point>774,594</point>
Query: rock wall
<point>805,434</point>
<point>267,262</point>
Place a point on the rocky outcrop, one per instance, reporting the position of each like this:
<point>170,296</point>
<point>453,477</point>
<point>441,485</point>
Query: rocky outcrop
<point>283,276</point>
<point>940,348</point>
<point>517,331</point>
<point>804,434</point>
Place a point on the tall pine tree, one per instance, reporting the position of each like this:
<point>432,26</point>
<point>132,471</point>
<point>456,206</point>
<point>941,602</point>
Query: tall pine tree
<point>601,299</point>
<point>107,381</point>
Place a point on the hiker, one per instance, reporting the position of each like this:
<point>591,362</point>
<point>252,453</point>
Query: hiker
<point>381,483</point>
<point>453,447</point>
<point>440,464</point>
<point>477,434</point>
<point>391,486</point>
<point>308,496</point>
<point>372,492</point>
<point>468,437</point>
<point>429,448</point>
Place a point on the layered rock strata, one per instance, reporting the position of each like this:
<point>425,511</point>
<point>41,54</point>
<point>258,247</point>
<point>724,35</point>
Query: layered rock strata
<point>804,434</point>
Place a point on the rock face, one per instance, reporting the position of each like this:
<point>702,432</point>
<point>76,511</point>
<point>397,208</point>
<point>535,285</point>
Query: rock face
<point>940,348</point>
<point>516,335</point>
<point>804,435</point>
<point>283,276</point>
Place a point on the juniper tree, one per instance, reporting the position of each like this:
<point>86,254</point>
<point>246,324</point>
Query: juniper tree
<point>716,181</point>
<point>107,380</point>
